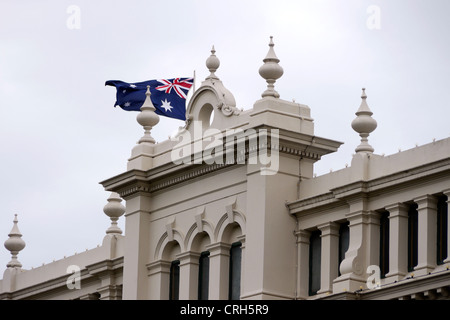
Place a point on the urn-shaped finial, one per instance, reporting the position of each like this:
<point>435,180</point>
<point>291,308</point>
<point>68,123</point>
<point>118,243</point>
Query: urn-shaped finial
<point>14,244</point>
<point>212,63</point>
<point>114,210</point>
<point>147,118</point>
<point>271,71</point>
<point>364,124</point>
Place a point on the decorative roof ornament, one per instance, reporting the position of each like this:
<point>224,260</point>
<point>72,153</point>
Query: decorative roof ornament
<point>271,71</point>
<point>212,63</point>
<point>364,124</point>
<point>147,118</point>
<point>114,210</point>
<point>14,244</point>
<point>226,103</point>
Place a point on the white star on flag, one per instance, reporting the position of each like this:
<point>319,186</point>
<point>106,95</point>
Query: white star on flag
<point>127,104</point>
<point>133,85</point>
<point>166,105</point>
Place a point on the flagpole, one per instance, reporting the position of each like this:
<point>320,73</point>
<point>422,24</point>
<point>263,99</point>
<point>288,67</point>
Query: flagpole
<point>186,122</point>
<point>194,82</point>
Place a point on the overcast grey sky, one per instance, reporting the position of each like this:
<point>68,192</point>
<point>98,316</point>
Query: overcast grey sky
<point>60,134</point>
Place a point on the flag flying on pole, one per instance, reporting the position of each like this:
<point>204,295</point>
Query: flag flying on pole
<point>167,95</point>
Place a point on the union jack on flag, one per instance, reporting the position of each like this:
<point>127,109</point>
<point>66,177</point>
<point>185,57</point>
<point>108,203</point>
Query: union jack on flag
<point>177,85</point>
<point>167,95</point>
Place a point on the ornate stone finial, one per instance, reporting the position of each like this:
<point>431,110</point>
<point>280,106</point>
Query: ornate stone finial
<point>147,118</point>
<point>271,71</point>
<point>114,210</point>
<point>14,244</point>
<point>364,124</point>
<point>212,63</point>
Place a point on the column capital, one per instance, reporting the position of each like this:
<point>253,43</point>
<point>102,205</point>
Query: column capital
<point>302,236</point>
<point>218,248</point>
<point>399,206</point>
<point>329,228</point>
<point>188,257</point>
<point>158,266</point>
<point>397,209</point>
<point>426,201</point>
<point>361,217</point>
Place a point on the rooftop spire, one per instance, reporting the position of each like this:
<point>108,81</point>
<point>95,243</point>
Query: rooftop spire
<point>271,71</point>
<point>212,63</point>
<point>364,124</point>
<point>14,244</point>
<point>147,118</point>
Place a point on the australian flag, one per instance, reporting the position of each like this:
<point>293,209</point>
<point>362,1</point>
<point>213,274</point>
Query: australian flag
<point>167,95</point>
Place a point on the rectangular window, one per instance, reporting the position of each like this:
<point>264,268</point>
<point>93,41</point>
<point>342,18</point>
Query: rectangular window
<point>203,276</point>
<point>442,229</point>
<point>344,240</point>
<point>384,244</point>
<point>234,289</point>
<point>174,285</point>
<point>413,224</point>
<point>315,249</point>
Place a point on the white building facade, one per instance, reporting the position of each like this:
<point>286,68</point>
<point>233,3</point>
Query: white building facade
<point>230,208</point>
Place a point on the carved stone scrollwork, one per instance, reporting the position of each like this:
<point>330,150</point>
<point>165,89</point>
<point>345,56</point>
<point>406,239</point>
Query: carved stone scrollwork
<point>227,110</point>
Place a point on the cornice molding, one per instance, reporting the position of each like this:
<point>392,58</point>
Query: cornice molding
<point>137,181</point>
<point>345,193</point>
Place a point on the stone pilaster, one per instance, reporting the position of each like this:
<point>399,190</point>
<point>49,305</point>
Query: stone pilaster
<point>398,241</point>
<point>189,262</point>
<point>330,256</point>
<point>427,219</point>
<point>136,257</point>
<point>219,261</point>
<point>353,267</point>
<point>302,275</point>
<point>159,279</point>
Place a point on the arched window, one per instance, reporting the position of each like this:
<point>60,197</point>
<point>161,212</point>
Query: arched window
<point>174,285</point>
<point>203,276</point>
<point>170,282</point>
<point>413,224</point>
<point>315,249</point>
<point>344,240</point>
<point>384,244</point>
<point>442,229</point>
<point>234,290</point>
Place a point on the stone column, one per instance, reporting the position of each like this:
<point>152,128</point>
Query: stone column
<point>398,241</point>
<point>353,267</point>
<point>427,233</point>
<point>189,262</point>
<point>329,255</point>
<point>268,239</point>
<point>136,257</point>
<point>159,279</point>
<point>372,243</point>
<point>302,275</point>
<point>219,260</point>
